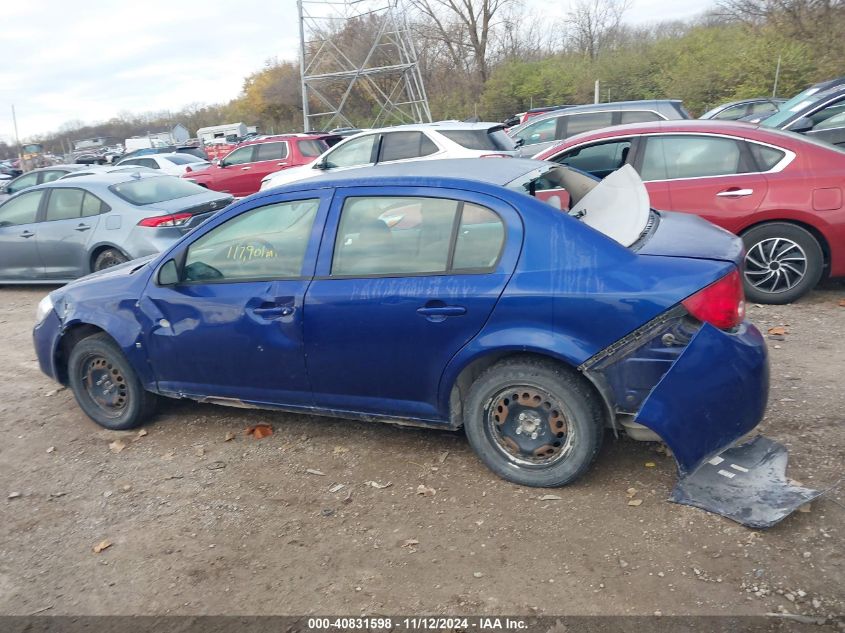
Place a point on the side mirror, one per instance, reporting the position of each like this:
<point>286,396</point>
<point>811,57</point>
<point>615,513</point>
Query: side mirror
<point>322,165</point>
<point>804,124</point>
<point>216,161</point>
<point>519,142</point>
<point>168,274</point>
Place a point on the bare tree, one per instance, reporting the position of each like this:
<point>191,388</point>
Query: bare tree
<point>593,24</point>
<point>465,29</point>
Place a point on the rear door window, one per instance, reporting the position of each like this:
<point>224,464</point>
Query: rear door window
<point>64,204</point>
<point>691,156</point>
<point>312,148</point>
<point>639,116</point>
<point>493,140</point>
<point>587,122</point>
<point>414,235</point>
<point>405,145</point>
<point>271,151</point>
<point>51,175</point>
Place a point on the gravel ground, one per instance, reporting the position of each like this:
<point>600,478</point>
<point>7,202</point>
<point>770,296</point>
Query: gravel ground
<point>199,524</point>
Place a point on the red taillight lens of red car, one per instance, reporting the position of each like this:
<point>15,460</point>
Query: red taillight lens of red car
<point>721,304</point>
<point>174,219</point>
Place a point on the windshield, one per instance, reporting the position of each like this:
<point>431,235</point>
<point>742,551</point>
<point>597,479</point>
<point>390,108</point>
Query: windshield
<point>153,190</point>
<point>618,206</point>
<point>796,104</point>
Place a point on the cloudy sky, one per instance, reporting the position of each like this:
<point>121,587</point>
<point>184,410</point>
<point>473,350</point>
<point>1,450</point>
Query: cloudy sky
<point>63,61</point>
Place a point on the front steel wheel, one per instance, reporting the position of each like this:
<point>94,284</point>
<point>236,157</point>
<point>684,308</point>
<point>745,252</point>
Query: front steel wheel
<point>106,386</point>
<point>534,422</point>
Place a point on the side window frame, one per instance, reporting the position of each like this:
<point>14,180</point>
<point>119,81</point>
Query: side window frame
<point>508,252</point>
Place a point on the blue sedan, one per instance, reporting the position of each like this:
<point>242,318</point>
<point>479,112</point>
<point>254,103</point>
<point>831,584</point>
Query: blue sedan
<point>521,300</point>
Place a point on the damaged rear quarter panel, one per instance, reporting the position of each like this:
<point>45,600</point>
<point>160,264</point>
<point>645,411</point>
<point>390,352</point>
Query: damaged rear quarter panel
<point>714,393</point>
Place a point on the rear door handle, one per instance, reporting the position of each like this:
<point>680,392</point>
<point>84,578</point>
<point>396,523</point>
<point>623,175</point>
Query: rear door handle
<point>735,193</point>
<point>443,311</point>
<point>27,234</point>
<point>281,164</point>
<point>82,227</point>
<point>245,168</point>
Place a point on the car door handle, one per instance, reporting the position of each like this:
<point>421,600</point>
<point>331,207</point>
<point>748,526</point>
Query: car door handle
<point>442,311</point>
<point>82,227</point>
<point>27,234</point>
<point>281,164</point>
<point>273,312</point>
<point>735,192</point>
<point>245,168</point>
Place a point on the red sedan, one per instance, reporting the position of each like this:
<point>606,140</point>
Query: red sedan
<point>781,192</point>
<point>240,172</point>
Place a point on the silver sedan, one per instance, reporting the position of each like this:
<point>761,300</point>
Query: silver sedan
<point>65,229</point>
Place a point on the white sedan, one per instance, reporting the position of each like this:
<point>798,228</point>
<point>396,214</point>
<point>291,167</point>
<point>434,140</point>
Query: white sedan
<point>174,164</point>
<point>404,143</point>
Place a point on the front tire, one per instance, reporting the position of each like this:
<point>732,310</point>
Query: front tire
<point>783,262</point>
<point>108,258</point>
<point>106,387</point>
<point>534,422</point>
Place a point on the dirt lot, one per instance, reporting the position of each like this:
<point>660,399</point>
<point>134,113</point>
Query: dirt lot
<point>201,525</point>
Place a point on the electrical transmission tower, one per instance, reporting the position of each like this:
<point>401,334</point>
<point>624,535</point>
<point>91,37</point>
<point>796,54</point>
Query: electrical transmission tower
<point>358,65</point>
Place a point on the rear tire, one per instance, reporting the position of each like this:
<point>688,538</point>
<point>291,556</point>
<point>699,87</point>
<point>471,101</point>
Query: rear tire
<point>534,422</point>
<point>108,258</point>
<point>783,262</point>
<point>106,387</point>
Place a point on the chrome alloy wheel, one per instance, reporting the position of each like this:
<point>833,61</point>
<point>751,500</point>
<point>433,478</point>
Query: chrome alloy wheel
<point>775,264</point>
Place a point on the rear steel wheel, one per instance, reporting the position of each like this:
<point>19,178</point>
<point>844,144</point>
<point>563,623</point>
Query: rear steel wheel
<point>108,258</point>
<point>534,422</point>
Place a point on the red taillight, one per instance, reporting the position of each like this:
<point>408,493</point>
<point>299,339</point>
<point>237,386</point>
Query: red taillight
<point>188,169</point>
<point>174,219</point>
<point>721,304</point>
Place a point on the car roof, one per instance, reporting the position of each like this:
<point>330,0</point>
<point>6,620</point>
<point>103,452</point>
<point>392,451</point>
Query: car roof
<point>106,179</point>
<point>304,136</point>
<point>437,125</point>
<point>730,104</point>
<point>601,107</point>
<point>69,167</point>
<point>742,129</point>
<point>493,171</point>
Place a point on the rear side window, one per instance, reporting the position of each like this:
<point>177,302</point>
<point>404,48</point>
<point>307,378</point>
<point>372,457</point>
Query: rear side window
<point>587,122</point>
<point>22,209</point>
<point>92,205</point>
<point>691,156</point>
<point>413,235</point>
<point>271,151</point>
<point>50,176</point>
<point>405,145</point>
<point>265,243</point>
<point>639,116</point>
<point>312,148</point>
<point>765,157</point>
<point>493,140</point>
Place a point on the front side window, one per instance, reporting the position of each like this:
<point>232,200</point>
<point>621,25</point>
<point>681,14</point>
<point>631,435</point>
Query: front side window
<point>28,180</point>
<point>357,151</point>
<point>271,151</point>
<point>587,122</point>
<point>690,156</point>
<point>405,145</point>
<point>599,159</point>
<point>539,132</point>
<point>832,116</point>
<point>265,243</point>
<point>413,235</point>
<point>239,156</point>
<point>732,113</point>
<point>21,210</point>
